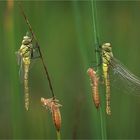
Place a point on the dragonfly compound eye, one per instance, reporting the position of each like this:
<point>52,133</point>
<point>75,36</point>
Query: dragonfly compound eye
<point>26,40</point>
<point>107,44</point>
<point>107,47</point>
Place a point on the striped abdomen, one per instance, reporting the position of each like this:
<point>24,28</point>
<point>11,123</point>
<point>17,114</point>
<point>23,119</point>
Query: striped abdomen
<point>94,84</point>
<point>53,106</point>
<point>26,86</point>
<point>107,84</point>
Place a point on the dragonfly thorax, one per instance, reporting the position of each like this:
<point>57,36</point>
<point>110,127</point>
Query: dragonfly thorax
<point>106,53</point>
<point>107,47</point>
<point>25,50</point>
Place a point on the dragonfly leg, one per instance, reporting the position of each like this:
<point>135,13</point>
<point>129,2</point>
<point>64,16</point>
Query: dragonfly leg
<point>33,56</point>
<point>97,51</point>
<point>97,65</point>
<point>32,38</point>
<point>101,80</point>
<point>98,48</point>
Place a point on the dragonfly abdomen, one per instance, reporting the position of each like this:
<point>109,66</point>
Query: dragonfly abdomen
<point>107,84</point>
<point>108,109</point>
<point>26,87</point>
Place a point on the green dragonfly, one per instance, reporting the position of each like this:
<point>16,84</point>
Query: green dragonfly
<point>126,77</point>
<point>25,54</point>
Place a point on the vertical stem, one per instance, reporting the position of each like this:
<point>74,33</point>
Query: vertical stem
<point>58,135</point>
<point>99,70</point>
<point>95,31</point>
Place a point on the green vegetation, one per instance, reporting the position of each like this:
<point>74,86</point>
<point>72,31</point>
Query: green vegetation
<point>65,32</point>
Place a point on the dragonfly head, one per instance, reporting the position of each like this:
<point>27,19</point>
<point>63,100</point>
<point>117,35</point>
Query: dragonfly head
<point>26,40</point>
<point>107,47</point>
<point>91,71</point>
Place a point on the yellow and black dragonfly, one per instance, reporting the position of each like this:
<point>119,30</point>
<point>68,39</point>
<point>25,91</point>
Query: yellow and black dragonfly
<point>25,54</point>
<point>127,78</point>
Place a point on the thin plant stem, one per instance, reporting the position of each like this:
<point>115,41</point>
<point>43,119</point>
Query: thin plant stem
<point>95,31</point>
<point>58,135</point>
<point>96,39</point>
<point>41,56</point>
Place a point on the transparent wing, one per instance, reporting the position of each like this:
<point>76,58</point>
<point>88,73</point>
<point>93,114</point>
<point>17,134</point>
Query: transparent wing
<point>18,57</point>
<point>34,56</point>
<point>20,63</point>
<point>35,52</point>
<point>123,78</point>
<point>21,71</point>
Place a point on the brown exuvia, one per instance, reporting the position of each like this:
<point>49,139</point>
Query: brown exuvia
<point>94,84</point>
<point>53,106</point>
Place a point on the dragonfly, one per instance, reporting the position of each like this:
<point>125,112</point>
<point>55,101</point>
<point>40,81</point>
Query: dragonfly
<point>107,56</point>
<point>94,84</point>
<point>25,54</point>
<point>38,48</point>
<point>126,77</point>
<point>53,105</point>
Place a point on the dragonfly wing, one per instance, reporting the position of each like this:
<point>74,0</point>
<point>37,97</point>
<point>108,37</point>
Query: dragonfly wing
<point>20,63</point>
<point>35,52</point>
<point>21,71</point>
<point>125,79</point>
<point>18,57</point>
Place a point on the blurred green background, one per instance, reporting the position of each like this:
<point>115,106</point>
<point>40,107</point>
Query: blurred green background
<point>64,31</point>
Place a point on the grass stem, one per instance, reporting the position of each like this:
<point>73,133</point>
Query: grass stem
<point>58,135</point>
<point>99,70</point>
